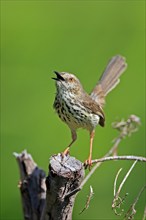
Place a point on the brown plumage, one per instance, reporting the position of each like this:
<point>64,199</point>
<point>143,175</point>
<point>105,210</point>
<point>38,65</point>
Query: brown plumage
<point>78,109</point>
<point>109,79</point>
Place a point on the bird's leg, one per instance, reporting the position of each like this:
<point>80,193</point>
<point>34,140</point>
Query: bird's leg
<point>74,137</point>
<point>88,162</point>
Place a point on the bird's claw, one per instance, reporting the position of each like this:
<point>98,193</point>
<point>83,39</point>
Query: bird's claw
<point>88,163</point>
<point>66,152</point>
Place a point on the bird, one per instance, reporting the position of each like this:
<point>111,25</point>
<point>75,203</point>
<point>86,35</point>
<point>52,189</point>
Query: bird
<point>77,108</point>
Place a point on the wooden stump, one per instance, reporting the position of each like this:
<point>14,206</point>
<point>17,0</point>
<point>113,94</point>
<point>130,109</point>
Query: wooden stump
<point>55,199</point>
<point>63,182</point>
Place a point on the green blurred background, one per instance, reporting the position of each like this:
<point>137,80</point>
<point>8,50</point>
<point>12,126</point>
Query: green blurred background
<point>38,37</point>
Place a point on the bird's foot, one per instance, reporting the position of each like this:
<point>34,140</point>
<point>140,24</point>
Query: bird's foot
<point>66,152</point>
<point>88,163</point>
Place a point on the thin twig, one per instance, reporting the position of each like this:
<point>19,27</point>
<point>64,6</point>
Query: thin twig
<point>118,201</point>
<point>125,178</point>
<point>132,211</point>
<point>99,162</point>
<point>126,128</point>
<point>115,182</point>
<point>125,157</point>
<point>107,158</point>
<point>88,200</point>
<point>114,148</point>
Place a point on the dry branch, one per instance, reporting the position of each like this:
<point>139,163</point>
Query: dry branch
<point>118,201</point>
<point>132,211</point>
<point>124,157</point>
<point>65,179</point>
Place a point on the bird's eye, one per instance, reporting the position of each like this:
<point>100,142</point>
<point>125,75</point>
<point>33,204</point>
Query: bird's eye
<point>71,79</point>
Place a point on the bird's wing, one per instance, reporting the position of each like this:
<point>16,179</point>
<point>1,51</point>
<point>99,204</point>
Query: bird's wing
<point>93,107</point>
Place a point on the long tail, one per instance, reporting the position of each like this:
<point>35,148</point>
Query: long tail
<point>109,79</point>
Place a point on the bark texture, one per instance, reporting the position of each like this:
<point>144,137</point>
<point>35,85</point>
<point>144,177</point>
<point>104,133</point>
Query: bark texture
<point>32,186</point>
<point>63,182</point>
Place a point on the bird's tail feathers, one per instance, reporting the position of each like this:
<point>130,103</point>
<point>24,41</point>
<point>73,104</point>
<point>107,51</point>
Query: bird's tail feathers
<point>109,79</point>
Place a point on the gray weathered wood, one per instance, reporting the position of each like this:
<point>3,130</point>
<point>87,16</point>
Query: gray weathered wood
<point>65,176</point>
<point>32,186</point>
<point>55,199</point>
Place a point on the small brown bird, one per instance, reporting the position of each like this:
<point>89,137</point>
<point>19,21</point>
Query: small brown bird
<point>78,109</point>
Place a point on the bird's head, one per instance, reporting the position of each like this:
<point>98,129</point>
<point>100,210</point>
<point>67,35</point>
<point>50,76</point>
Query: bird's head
<point>67,82</point>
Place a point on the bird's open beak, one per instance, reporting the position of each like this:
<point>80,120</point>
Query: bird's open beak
<point>59,77</point>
